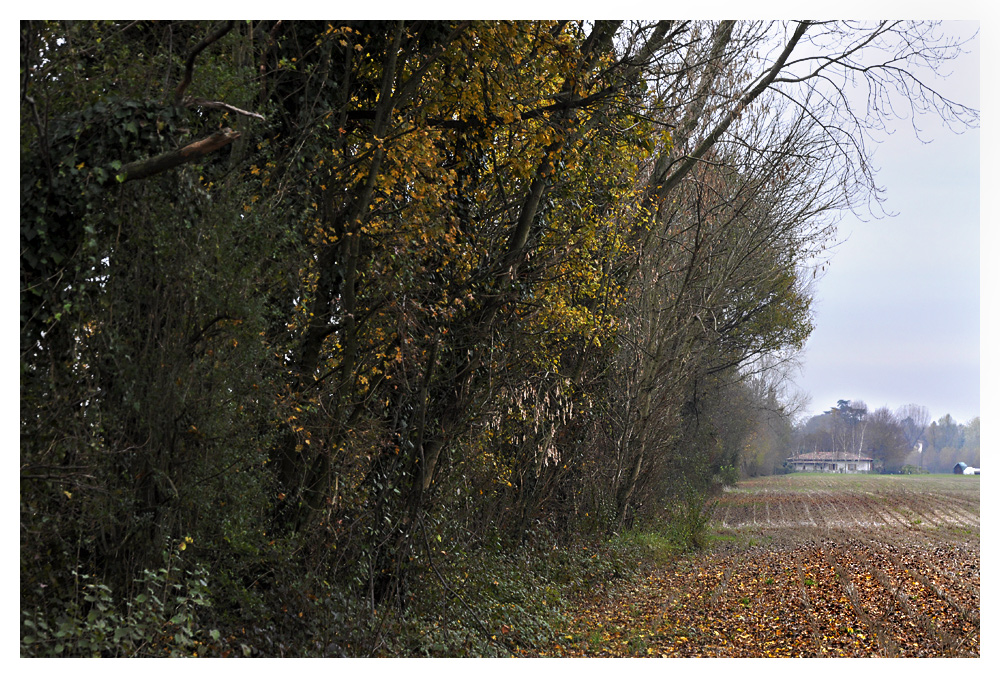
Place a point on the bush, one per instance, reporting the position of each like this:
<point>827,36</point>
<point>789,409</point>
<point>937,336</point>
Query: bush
<point>687,524</point>
<point>162,620</point>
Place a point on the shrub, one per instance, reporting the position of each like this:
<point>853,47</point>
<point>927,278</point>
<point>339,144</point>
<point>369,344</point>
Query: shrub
<point>687,525</point>
<point>162,619</point>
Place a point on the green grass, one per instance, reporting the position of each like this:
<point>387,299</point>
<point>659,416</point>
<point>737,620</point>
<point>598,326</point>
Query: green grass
<point>803,481</point>
<point>656,546</point>
<point>743,539</point>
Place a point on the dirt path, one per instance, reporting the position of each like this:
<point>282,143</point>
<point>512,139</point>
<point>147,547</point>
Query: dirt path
<point>867,566</point>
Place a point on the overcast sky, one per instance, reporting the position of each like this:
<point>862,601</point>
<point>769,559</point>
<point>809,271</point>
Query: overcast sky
<point>897,315</point>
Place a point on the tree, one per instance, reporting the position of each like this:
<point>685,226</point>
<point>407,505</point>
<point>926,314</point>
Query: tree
<point>914,421</point>
<point>145,376</point>
<point>849,422</point>
<point>886,439</point>
<point>970,441</point>
<point>947,444</point>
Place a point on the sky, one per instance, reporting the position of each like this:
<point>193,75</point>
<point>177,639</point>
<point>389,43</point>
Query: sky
<point>897,312</point>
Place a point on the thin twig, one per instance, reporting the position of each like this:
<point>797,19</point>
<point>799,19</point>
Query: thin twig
<point>218,105</point>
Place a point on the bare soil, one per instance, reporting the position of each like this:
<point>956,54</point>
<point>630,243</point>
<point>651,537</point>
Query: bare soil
<point>809,565</point>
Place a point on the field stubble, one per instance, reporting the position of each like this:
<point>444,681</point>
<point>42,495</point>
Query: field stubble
<point>810,565</point>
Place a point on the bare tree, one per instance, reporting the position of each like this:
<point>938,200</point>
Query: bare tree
<point>764,155</point>
<point>915,419</point>
<point>887,441</point>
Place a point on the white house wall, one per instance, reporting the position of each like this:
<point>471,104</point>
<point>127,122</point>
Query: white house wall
<point>829,463</point>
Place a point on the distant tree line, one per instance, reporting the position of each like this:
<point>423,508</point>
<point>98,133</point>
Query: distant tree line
<point>946,443</point>
<point>894,439</point>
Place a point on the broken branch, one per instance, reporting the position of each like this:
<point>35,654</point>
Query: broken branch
<point>161,163</point>
<point>218,105</point>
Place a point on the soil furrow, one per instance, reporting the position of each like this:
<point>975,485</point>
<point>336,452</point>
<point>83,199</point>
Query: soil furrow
<point>807,565</point>
<point>880,567</point>
<point>887,647</point>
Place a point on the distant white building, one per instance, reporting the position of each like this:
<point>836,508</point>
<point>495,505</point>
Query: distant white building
<point>970,471</point>
<point>829,461</point>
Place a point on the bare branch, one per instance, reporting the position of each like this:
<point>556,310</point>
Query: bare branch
<point>217,105</point>
<point>189,65</point>
<point>710,140</point>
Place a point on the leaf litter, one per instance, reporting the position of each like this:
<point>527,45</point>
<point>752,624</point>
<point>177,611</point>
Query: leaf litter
<point>876,584</point>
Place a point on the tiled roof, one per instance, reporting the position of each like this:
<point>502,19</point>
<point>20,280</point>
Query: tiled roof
<point>827,457</point>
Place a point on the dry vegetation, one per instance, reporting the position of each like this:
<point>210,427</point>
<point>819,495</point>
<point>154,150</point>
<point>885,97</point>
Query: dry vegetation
<point>808,565</point>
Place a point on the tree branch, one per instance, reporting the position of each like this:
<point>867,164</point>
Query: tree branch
<point>688,161</point>
<point>189,65</point>
<point>141,169</point>
<point>218,105</point>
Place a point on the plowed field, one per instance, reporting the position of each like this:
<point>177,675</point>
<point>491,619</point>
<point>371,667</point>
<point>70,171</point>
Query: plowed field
<point>809,565</point>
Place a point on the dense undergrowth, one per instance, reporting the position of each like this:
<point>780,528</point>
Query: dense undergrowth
<point>490,600</point>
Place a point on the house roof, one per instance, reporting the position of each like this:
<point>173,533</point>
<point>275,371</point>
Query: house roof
<point>828,457</point>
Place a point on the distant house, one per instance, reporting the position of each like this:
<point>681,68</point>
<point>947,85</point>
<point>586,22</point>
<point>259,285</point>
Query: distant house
<point>970,471</point>
<point>959,468</point>
<point>829,461</point>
